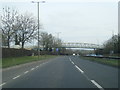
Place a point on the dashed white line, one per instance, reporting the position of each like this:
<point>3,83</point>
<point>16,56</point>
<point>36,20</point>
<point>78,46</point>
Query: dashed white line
<point>37,66</point>
<point>72,62</point>
<point>96,84</point>
<point>42,63</point>
<point>79,69</point>
<point>32,68</point>
<point>16,77</point>
<point>26,72</point>
<point>70,59</point>
<point>2,84</point>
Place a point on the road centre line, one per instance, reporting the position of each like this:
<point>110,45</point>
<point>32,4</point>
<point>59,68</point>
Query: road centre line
<point>26,72</point>
<point>32,68</point>
<point>70,59</point>
<point>72,62</point>
<point>37,66</point>
<point>2,84</point>
<point>79,69</point>
<point>96,84</point>
<point>16,77</point>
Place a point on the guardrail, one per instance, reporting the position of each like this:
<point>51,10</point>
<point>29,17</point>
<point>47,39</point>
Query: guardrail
<point>108,57</point>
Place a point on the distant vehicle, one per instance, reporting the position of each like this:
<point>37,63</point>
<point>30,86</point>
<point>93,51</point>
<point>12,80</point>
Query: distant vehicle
<point>94,55</point>
<point>99,55</point>
<point>91,55</point>
<point>73,54</point>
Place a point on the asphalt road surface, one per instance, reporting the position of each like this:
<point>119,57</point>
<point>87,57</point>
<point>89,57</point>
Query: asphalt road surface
<point>61,72</point>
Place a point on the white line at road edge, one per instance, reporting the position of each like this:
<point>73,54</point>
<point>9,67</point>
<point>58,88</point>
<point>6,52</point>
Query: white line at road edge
<point>79,69</point>
<point>2,84</point>
<point>96,84</point>
<point>16,77</point>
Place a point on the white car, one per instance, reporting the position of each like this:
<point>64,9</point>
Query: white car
<point>73,54</point>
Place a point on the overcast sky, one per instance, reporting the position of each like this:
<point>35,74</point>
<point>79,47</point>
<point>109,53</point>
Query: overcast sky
<point>87,22</point>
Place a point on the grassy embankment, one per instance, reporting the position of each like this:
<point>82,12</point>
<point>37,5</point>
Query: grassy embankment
<point>8,62</point>
<point>111,62</point>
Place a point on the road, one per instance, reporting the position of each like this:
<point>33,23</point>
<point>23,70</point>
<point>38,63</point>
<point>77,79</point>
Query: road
<point>61,72</point>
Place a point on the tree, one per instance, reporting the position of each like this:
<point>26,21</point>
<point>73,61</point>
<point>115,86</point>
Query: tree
<point>119,43</point>
<point>57,42</point>
<point>46,40</point>
<point>26,29</point>
<point>18,28</point>
<point>8,21</point>
<point>17,31</point>
<point>49,42</point>
<point>111,45</point>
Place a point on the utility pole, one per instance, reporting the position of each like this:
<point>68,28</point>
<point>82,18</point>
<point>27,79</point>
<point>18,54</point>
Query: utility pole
<point>113,41</point>
<point>58,34</point>
<point>38,26</point>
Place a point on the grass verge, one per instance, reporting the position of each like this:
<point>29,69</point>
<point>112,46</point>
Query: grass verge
<point>8,62</point>
<point>111,62</point>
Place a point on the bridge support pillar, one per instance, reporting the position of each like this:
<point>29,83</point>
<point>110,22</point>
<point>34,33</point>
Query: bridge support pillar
<point>94,51</point>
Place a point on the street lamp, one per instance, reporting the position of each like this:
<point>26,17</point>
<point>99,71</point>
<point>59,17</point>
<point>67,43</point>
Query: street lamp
<point>58,34</point>
<point>38,26</point>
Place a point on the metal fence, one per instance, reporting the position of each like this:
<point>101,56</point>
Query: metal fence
<point>107,57</point>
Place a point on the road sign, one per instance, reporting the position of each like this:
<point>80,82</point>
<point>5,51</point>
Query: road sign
<point>57,49</point>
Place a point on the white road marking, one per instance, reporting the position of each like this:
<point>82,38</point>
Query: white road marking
<point>86,77</point>
<point>72,62</point>
<point>96,84</point>
<point>70,59</point>
<point>37,66</point>
<point>16,77</point>
<point>26,72</point>
<point>2,84</point>
<point>79,69</point>
<point>32,68</point>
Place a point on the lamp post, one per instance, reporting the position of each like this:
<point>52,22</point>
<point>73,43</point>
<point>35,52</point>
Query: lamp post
<point>58,34</point>
<point>38,26</point>
<point>58,49</point>
<point>113,42</point>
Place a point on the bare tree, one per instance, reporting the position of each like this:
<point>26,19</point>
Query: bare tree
<point>119,43</point>
<point>57,42</point>
<point>8,21</point>
<point>27,28</point>
<point>111,45</point>
<point>46,40</point>
<point>49,42</point>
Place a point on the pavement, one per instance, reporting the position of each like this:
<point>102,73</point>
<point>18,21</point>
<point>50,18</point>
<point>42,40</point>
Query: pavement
<point>61,72</point>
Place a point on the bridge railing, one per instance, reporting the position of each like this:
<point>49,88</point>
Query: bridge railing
<point>81,45</point>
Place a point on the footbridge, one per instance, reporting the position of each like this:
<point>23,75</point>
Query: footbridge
<point>81,45</point>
